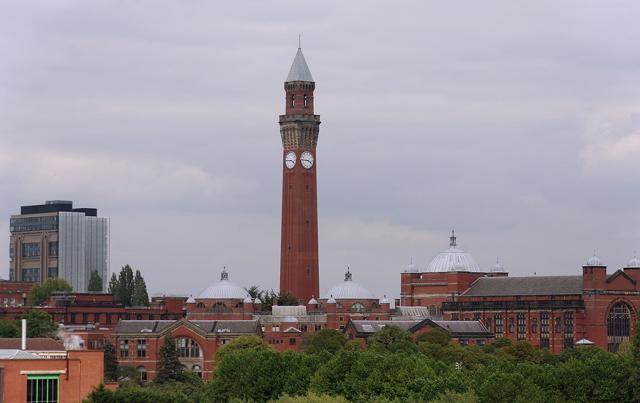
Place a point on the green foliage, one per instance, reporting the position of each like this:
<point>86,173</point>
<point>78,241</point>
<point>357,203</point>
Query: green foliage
<point>242,343</point>
<point>392,339</point>
<point>310,398</point>
<point>456,397</point>
<point>39,324</point>
<point>270,298</point>
<point>95,282</point>
<point>128,289</point>
<point>634,380</point>
<point>140,296</point>
<point>329,340</point>
<point>169,366</point>
<point>9,328</point>
<point>110,363</point>
<point>170,393</point>
<point>40,293</point>
<point>435,336</point>
<point>287,300</point>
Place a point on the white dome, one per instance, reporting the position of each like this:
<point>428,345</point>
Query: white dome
<point>348,289</point>
<point>453,259</point>
<point>224,289</point>
<point>633,263</point>
<point>594,261</point>
<point>312,301</point>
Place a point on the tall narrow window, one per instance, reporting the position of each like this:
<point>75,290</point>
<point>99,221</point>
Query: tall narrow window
<point>544,329</point>
<point>522,326</point>
<point>568,329</point>
<point>618,325</point>
<point>293,101</point>
<point>499,329</point>
<point>305,100</point>
<point>124,348</point>
<point>142,348</point>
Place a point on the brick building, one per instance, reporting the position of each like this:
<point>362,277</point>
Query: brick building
<point>548,311</point>
<point>138,342</point>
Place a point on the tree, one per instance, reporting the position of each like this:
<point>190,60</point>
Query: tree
<point>124,292</point>
<point>435,336</point>
<point>169,366</point>
<point>242,343</point>
<point>95,282</point>
<point>635,362</point>
<point>140,296</point>
<point>113,284</point>
<point>287,299</point>
<point>110,362</point>
<point>40,293</point>
<point>39,324</point>
<point>392,339</point>
<point>9,328</point>
<point>329,340</point>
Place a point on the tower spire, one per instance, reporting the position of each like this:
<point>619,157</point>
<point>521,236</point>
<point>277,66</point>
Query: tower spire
<point>299,41</point>
<point>452,239</point>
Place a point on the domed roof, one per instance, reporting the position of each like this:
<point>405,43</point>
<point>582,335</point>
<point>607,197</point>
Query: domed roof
<point>594,261</point>
<point>224,289</point>
<point>497,268</point>
<point>312,301</point>
<point>633,263</point>
<point>411,268</point>
<point>453,259</point>
<point>348,289</point>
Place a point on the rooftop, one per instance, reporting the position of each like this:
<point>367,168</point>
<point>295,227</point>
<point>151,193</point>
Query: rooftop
<point>537,285</point>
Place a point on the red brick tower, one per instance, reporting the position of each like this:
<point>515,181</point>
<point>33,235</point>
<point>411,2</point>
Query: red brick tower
<point>299,128</point>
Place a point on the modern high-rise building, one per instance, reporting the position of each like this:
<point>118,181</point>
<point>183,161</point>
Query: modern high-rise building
<point>56,240</point>
<point>299,128</point>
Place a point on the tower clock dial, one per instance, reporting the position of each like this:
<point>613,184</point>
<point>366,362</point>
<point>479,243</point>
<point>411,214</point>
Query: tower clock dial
<point>290,160</point>
<point>306,159</point>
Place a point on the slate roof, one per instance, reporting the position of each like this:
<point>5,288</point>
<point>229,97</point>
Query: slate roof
<point>457,328</point>
<point>462,327</point>
<point>13,354</point>
<point>538,285</point>
<point>373,326</point>
<point>33,344</point>
<point>299,70</point>
<point>208,326</point>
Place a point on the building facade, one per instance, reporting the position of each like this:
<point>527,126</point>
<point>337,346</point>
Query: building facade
<point>56,240</point>
<point>553,312</point>
<point>299,129</point>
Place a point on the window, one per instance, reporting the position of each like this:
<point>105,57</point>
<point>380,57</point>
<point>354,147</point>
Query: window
<point>23,224</point>
<point>568,329</point>
<point>142,371</point>
<point>534,325</point>
<point>31,249</point>
<point>544,329</point>
<point>108,319</point>
<point>12,251</point>
<point>31,275</point>
<point>124,348</point>
<point>499,329</point>
<point>12,274</point>
<point>618,326</point>
<point>464,342</point>
<point>52,272</point>
<point>293,101</point>
<point>85,317</point>
<point>292,342</point>
<point>96,317</point>
<point>305,100</point>
<point>488,323</point>
<point>275,328</point>
<point>522,326</point>
<point>187,348</point>
<point>53,248</point>
<point>455,316</point>
<point>558,325</point>
<point>357,308</point>
<point>197,369</point>
<point>42,389</point>
<point>142,348</point>
<point>510,325</point>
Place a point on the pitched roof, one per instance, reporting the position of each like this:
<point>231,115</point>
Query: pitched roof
<point>373,326</point>
<point>457,328</point>
<point>142,326</point>
<point>299,70</point>
<point>33,344</point>
<point>13,354</point>
<point>462,327</point>
<point>208,326</point>
<point>538,285</point>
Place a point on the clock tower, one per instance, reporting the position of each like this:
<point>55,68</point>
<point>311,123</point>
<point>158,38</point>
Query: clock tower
<point>299,128</point>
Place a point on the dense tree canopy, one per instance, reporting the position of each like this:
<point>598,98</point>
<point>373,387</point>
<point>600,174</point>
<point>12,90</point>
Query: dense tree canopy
<point>329,340</point>
<point>40,293</point>
<point>40,324</point>
<point>169,367</point>
<point>389,370</point>
<point>95,282</point>
<point>129,289</point>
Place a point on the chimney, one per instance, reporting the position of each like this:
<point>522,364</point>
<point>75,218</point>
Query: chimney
<point>24,334</point>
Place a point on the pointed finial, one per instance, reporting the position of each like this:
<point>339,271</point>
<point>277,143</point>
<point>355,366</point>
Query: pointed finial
<point>224,275</point>
<point>347,275</point>
<point>452,239</point>
<point>299,41</point>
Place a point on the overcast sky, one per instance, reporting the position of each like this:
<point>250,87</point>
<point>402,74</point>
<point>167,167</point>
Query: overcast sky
<point>516,124</point>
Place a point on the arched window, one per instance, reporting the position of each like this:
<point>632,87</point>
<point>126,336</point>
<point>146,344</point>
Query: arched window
<point>196,369</point>
<point>357,308</point>
<point>142,371</point>
<point>618,325</point>
<point>305,100</point>
<point>188,348</point>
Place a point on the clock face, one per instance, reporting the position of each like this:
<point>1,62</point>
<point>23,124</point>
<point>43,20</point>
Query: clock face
<point>290,160</point>
<point>306,159</point>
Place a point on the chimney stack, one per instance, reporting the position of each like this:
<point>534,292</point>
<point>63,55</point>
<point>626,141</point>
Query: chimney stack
<point>24,334</point>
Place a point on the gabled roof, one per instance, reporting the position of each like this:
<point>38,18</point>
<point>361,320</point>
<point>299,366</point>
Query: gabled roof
<point>462,327</point>
<point>299,70</point>
<point>14,354</point>
<point>142,326</point>
<point>537,285</point>
<point>618,273</point>
<point>456,328</point>
<point>199,326</point>
<point>33,344</point>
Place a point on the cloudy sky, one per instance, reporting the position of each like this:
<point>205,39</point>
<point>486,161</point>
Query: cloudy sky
<point>516,124</point>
